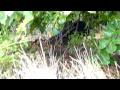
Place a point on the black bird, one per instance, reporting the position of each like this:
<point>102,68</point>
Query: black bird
<point>59,42</point>
<point>69,28</point>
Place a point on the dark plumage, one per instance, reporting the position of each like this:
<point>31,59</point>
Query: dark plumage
<point>69,28</point>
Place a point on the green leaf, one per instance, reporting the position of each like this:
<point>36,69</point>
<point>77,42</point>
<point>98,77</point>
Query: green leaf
<point>61,21</point>
<point>118,31</point>
<point>3,17</point>
<point>103,43</point>
<point>105,58</point>
<point>116,41</point>
<point>28,16</point>
<point>1,53</point>
<point>111,48</point>
<point>108,33</point>
<point>118,47</point>
<point>109,27</point>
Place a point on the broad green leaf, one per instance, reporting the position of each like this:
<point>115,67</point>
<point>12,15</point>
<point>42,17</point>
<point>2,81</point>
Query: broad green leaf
<point>3,17</point>
<point>105,58</point>
<point>61,21</point>
<point>116,41</point>
<point>118,31</point>
<point>103,43</point>
<point>118,47</point>
<point>108,33</point>
<point>110,27</point>
<point>111,48</point>
<point>28,16</point>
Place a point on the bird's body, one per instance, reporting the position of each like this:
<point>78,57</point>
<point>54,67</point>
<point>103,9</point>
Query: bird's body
<point>60,41</point>
<point>69,29</point>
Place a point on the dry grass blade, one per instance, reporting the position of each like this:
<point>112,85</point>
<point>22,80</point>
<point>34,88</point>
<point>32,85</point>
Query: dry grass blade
<point>84,66</point>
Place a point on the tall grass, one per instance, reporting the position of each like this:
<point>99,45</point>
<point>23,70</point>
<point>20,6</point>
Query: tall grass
<point>39,66</point>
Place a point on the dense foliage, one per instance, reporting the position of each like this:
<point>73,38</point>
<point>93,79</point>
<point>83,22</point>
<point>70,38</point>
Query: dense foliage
<point>16,25</point>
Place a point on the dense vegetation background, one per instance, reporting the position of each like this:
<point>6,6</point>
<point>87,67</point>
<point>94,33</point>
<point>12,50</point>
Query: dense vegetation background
<point>17,26</point>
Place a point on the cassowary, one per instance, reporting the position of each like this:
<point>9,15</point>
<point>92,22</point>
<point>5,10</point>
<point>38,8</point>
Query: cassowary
<point>59,42</point>
<point>69,29</point>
